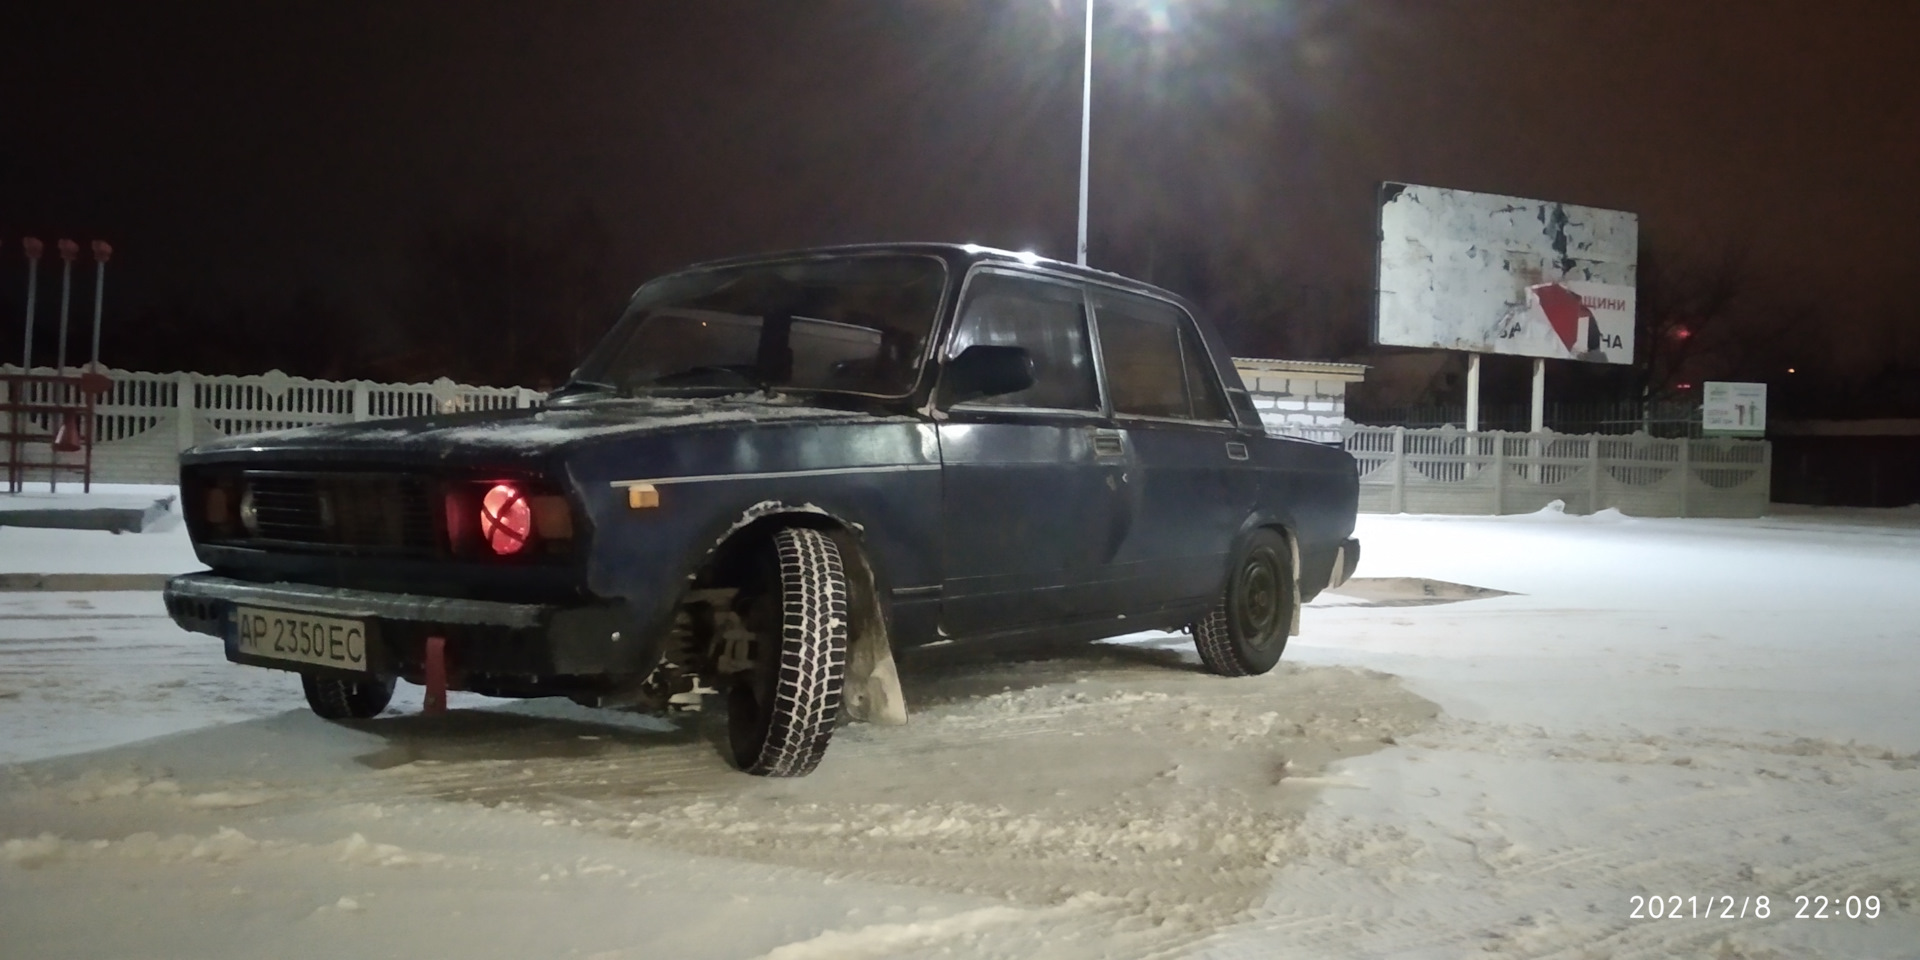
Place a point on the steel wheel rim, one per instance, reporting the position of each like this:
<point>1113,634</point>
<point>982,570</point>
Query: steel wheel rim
<point>1258,598</point>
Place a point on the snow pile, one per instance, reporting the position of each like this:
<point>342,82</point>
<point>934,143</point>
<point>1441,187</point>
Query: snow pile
<point>222,846</point>
<point>896,939</point>
<point>890,939</point>
<point>357,849</point>
<point>163,548</point>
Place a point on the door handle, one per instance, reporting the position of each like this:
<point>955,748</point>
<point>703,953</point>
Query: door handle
<point>1236,450</point>
<point>1108,443</point>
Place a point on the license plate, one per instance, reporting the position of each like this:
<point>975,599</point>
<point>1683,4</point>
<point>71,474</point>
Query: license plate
<point>302,638</point>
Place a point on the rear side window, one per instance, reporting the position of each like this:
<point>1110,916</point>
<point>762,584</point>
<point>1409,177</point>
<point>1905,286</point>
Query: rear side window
<point>1156,366</point>
<point>1050,320</point>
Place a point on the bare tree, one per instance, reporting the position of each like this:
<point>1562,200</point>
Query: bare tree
<point>506,297</point>
<point>1689,319</point>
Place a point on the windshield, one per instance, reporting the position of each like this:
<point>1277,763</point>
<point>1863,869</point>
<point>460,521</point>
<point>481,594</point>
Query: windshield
<point>856,324</point>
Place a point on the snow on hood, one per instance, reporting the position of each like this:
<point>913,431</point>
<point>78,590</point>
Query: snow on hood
<point>534,430</point>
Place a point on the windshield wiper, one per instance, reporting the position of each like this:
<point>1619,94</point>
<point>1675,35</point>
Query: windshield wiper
<point>715,374</point>
<point>577,387</point>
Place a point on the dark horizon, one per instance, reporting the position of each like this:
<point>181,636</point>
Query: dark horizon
<point>278,181</point>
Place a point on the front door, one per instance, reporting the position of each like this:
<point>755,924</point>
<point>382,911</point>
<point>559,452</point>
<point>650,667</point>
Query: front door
<point>1033,506</point>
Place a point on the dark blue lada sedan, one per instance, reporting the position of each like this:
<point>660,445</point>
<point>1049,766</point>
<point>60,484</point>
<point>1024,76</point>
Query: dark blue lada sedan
<point>772,473</point>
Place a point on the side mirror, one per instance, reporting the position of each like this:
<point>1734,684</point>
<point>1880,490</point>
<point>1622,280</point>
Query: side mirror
<point>988,371</point>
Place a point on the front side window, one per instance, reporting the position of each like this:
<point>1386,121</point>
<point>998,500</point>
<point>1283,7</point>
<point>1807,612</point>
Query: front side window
<point>1047,318</point>
<point>1155,364</point>
<point>856,324</point>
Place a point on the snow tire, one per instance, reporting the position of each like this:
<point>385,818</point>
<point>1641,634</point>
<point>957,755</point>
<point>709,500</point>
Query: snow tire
<point>1246,630</point>
<point>781,714</point>
<point>336,699</point>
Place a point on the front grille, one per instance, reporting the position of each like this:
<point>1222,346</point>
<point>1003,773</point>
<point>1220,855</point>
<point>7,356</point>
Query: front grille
<point>389,513</point>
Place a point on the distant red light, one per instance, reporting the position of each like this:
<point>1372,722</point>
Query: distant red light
<point>1681,333</point>
<point>1686,386</point>
<point>506,519</point>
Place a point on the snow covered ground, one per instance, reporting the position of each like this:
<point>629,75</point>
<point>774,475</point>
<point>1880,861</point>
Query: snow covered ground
<point>1675,708</point>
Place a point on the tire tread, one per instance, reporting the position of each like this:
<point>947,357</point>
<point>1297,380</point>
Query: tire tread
<point>335,699</point>
<point>1220,650</point>
<point>1213,637</point>
<point>813,654</point>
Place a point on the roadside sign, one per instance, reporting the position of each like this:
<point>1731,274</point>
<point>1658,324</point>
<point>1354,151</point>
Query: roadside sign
<point>1733,409</point>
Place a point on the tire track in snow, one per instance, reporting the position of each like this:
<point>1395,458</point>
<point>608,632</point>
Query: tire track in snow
<point>1162,792</point>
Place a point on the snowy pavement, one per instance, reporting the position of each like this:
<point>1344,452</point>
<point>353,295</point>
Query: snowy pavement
<point>1687,709</point>
<point>1675,708</point>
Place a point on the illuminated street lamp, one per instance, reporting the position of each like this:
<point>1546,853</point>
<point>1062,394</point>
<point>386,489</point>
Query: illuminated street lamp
<point>1086,127</point>
<point>1086,133</point>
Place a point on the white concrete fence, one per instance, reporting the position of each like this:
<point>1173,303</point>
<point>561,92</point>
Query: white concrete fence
<point>146,419</point>
<point>1451,471</point>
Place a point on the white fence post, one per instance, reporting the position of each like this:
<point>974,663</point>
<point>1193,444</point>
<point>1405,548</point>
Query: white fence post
<point>1766,470</point>
<point>183,409</point>
<point>1398,502</point>
<point>1686,472</point>
<point>1499,473</point>
<point>1593,474</point>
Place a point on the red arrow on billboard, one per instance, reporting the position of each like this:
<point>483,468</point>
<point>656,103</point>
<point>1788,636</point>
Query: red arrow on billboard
<point>1564,311</point>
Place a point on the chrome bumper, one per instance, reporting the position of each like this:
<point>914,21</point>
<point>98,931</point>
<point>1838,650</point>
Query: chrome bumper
<point>183,591</point>
<point>1345,560</point>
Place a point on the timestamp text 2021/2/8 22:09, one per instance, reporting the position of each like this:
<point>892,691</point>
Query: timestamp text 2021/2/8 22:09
<point>1728,907</point>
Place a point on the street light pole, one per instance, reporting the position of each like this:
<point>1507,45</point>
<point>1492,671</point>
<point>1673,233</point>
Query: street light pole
<point>1086,131</point>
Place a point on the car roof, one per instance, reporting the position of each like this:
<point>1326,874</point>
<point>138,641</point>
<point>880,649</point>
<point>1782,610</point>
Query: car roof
<point>959,255</point>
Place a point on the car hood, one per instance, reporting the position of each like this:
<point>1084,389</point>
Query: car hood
<point>533,432</point>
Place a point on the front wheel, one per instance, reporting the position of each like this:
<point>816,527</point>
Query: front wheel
<point>1246,630</point>
<point>347,699</point>
<point>781,712</point>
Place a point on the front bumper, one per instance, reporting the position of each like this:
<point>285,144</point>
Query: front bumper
<point>490,644</point>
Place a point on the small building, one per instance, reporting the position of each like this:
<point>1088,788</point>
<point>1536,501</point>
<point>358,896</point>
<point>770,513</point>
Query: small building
<point>1305,398</point>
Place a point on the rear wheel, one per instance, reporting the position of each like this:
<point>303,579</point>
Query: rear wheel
<point>781,711</point>
<point>336,699</point>
<point>1246,630</point>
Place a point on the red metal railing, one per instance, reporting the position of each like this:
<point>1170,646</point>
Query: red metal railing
<point>53,414</point>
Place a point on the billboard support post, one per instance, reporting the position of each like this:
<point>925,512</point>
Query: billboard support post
<point>1473,393</point>
<point>1537,424</point>
<point>1539,395</point>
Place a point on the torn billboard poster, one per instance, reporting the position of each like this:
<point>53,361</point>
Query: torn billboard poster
<point>1492,274</point>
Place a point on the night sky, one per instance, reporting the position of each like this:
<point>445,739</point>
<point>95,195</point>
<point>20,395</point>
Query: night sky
<point>279,167</point>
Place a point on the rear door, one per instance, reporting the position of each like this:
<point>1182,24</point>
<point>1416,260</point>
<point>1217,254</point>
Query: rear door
<point>1192,482</point>
<point>1032,510</point>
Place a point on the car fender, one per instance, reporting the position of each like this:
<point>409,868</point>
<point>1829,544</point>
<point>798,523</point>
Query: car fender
<point>872,687</point>
<point>1281,522</point>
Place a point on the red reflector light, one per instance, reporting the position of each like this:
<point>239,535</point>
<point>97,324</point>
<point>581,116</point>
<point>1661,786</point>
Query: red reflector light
<point>506,519</point>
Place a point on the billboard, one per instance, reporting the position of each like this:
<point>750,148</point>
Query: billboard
<point>1492,274</point>
<point>1733,409</point>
